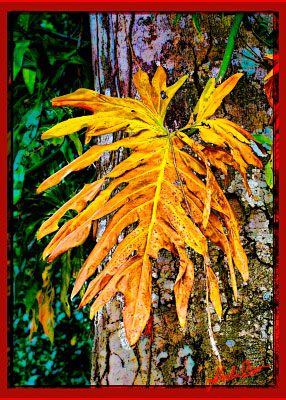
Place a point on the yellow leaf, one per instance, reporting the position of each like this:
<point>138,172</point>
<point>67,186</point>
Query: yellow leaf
<point>214,291</point>
<point>158,85</point>
<point>158,96</point>
<point>77,203</point>
<point>68,127</point>
<point>88,158</point>
<point>205,97</point>
<point>212,98</point>
<point>210,136</point>
<point>142,83</point>
<point>207,207</point>
<point>170,92</point>
<point>148,186</point>
<point>73,340</point>
<point>269,75</point>
<point>184,283</point>
<point>242,153</point>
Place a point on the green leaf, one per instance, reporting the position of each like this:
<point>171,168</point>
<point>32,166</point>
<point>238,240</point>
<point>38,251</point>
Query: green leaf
<point>77,60</point>
<point>66,275</point>
<point>263,139</point>
<point>18,180</point>
<point>67,151</point>
<point>18,55</point>
<point>74,137</point>
<point>18,159</point>
<point>47,25</point>
<point>269,174</point>
<point>23,21</point>
<point>31,294</point>
<point>28,235</point>
<point>197,22</point>
<point>57,141</point>
<point>263,27</point>
<point>230,46</point>
<point>58,74</point>
<point>176,19</point>
<point>31,117</point>
<point>29,76</point>
<point>71,56</point>
<point>31,120</point>
<point>30,59</point>
<point>32,380</point>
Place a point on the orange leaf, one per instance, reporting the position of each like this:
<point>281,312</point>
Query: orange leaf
<point>148,186</point>
<point>214,291</point>
<point>46,312</point>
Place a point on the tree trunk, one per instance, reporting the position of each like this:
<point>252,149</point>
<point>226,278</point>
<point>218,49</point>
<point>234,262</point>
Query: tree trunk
<point>179,356</point>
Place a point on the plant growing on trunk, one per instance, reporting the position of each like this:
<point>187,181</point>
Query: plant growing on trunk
<point>170,195</point>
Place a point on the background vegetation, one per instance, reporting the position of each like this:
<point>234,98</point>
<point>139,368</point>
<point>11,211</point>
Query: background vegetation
<point>51,56</point>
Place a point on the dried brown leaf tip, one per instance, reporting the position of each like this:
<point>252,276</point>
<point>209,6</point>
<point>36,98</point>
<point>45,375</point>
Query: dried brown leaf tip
<point>168,216</point>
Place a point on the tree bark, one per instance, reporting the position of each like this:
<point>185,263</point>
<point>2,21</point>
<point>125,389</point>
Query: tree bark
<point>179,356</point>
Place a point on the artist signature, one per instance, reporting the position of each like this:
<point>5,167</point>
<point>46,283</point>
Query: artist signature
<point>246,370</point>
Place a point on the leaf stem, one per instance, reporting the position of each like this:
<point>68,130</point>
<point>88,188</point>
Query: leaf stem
<point>192,130</point>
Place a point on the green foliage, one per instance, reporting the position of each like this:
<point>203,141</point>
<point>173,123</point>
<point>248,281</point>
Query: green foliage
<point>29,76</point>
<point>19,51</point>
<point>269,173</point>
<point>265,140</point>
<point>51,56</point>
<point>230,46</point>
<point>261,25</point>
<point>177,18</point>
<point>197,22</point>
<point>65,363</point>
<point>48,56</point>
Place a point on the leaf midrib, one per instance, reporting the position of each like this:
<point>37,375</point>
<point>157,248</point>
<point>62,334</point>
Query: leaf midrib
<point>153,219</point>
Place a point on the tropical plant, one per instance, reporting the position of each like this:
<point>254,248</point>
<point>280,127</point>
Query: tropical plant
<point>52,46</point>
<point>165,191</point>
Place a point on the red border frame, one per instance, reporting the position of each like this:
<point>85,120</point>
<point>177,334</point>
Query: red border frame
<point>130,392</point>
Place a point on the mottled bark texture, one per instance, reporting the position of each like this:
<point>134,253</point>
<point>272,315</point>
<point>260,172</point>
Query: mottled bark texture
<point>179,356</point>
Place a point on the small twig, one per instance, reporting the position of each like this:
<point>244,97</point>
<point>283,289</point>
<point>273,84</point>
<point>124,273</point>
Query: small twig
<point>249,47</point>
<point>252,59</point>
<point>257,56</point>
<point>192,132</point>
